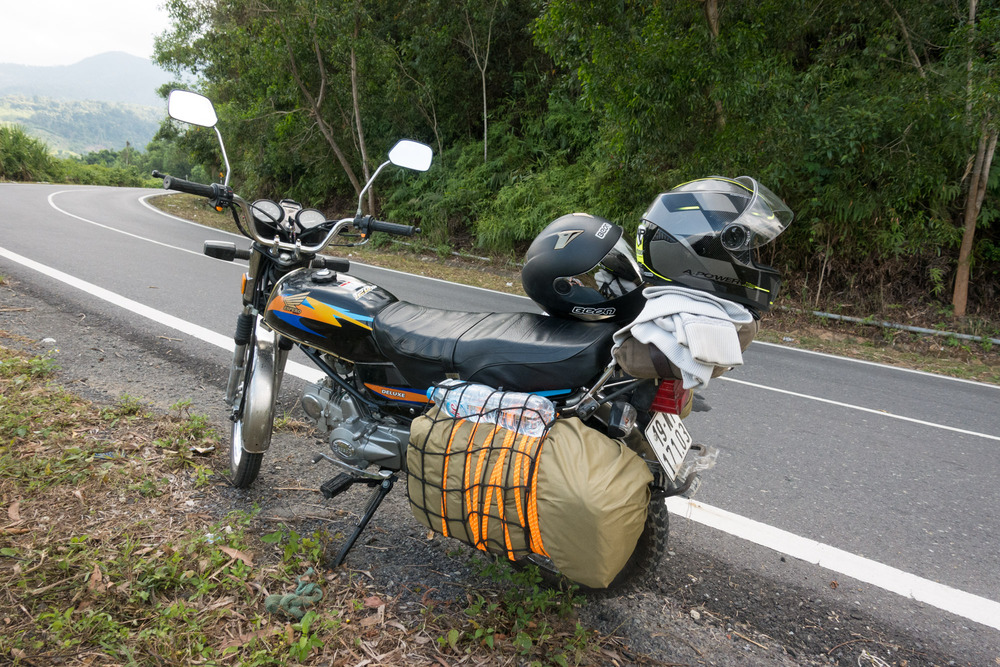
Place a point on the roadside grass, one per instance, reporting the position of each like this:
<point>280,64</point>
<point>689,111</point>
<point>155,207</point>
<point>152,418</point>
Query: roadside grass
<point>790,324</point>
<point>107,557</point>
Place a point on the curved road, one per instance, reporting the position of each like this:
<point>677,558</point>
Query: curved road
<point>887,478</point>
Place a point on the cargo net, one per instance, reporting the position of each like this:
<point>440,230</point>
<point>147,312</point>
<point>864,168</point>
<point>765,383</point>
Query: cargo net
<point>474,477</point>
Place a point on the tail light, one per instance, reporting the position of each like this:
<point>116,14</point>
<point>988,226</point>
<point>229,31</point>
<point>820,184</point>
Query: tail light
<point>671,397</point>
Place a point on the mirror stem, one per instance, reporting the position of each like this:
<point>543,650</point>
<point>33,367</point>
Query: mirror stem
<point>361,196</point>
<point>225,158</point>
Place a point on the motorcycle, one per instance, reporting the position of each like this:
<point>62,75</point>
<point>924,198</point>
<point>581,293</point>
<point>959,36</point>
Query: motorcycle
<point>374,387</point>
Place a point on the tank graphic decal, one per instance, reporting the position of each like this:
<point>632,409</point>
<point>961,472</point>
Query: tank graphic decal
<point>399,394</point>
<point>299,310</point>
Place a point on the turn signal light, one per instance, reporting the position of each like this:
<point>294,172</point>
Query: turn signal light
<point>243,286</point>
<point>671,397</point>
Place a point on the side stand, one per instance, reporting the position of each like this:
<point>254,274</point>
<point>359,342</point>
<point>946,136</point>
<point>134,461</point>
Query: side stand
<point>378,495</point>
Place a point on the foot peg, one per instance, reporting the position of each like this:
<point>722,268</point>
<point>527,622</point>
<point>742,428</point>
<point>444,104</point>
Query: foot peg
<point>334,487</point>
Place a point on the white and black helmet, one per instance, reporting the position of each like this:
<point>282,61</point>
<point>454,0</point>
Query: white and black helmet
<point>704,234</point>
<point>580,266</point>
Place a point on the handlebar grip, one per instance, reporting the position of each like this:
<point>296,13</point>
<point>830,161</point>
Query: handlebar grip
<point>392,228</point>
<point>190,187</point>
<point>225,251</point>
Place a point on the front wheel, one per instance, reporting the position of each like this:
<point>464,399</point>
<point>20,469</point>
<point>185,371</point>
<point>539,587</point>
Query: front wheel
<point>243,465</point>
<point>643,562</point>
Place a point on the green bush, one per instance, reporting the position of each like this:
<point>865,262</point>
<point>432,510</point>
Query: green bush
<point>22,157</point>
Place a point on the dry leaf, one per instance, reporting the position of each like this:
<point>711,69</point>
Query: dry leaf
<point>236,553</point>
<point>94,584</point>
<point>373,602</point>
<point>250,636</point>
<point>369,621</point>
<point>14,511</point>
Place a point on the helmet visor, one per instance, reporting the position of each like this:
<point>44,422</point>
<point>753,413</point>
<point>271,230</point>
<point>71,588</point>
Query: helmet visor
<point>740,212</point>
<point>615,275</point>
<point>764,218</point>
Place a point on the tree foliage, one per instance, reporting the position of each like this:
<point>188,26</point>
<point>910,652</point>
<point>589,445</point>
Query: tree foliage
<point>865,116</point>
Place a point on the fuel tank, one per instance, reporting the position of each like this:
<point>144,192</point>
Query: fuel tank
<point>330,311</point>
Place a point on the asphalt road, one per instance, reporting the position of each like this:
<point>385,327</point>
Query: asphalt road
<point>831,456</point>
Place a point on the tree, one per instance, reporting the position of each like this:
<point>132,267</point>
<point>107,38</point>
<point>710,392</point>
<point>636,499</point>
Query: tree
<point>478,46</point>
<point>981,74</point>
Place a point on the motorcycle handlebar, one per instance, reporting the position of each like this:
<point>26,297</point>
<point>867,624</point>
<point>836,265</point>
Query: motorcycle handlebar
<point>181,185</point>
<point>225,194</point>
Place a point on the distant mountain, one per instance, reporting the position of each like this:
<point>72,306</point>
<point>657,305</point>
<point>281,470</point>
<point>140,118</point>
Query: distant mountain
<point>100,102</point>
<point>109,77</point>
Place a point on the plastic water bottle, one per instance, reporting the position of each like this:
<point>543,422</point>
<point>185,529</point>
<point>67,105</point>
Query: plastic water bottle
<point>528,414</point>
<point>460,399</point>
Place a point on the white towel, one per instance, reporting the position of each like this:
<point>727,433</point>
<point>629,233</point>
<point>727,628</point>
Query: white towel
<point>694,330</point>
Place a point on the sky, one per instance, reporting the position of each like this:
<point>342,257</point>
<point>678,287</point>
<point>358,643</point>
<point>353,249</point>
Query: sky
<point>64,32</point>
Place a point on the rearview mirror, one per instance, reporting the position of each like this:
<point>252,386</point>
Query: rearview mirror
<point>411,155</point>
<point>188,107</point>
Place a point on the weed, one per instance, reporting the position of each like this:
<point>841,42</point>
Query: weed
<point>307,640</point>
<point>533,618</point>
<point>186,435</point>
<point>147,488</point>
<point>20,369</point>
<point>203,476</point>
<point>297,549</point>
<point>126,406</point>
<point>287,423</point>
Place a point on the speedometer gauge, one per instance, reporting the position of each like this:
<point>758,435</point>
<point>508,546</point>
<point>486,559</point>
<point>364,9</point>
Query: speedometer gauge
<point>266,211</point>
<point>308,218</point>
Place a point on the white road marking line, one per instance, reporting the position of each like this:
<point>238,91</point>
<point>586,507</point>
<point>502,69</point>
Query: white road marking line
<point>880,413</point>
<point>972,607</point>
<point>875,363</point>
<point>115,229</point>
<point>966,605</point>
<point>195,331</point>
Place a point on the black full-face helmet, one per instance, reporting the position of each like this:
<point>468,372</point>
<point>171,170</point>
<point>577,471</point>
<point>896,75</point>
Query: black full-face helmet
<point>704,234</point>
<point>580,266</point>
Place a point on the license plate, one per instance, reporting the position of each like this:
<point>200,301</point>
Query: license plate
<point>670,441</point>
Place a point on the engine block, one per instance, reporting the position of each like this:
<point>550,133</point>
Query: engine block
<point>354,438</point>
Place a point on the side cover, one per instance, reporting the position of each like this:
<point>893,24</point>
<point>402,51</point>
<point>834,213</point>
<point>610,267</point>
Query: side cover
<point>328,311</point>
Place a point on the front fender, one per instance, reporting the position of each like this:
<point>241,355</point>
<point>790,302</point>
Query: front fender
<point>259,396</point>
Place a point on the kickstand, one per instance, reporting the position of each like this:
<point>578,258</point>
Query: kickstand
<point>378,495</point>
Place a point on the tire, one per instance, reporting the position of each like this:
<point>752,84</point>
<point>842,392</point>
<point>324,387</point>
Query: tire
<point>243,465</point>
<point>642,564</point>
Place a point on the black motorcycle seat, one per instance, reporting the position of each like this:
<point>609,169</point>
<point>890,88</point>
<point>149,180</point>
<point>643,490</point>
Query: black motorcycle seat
<point>514,351</point>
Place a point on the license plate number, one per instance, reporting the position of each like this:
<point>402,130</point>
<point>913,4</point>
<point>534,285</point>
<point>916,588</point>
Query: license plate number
<point>670,441</point>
